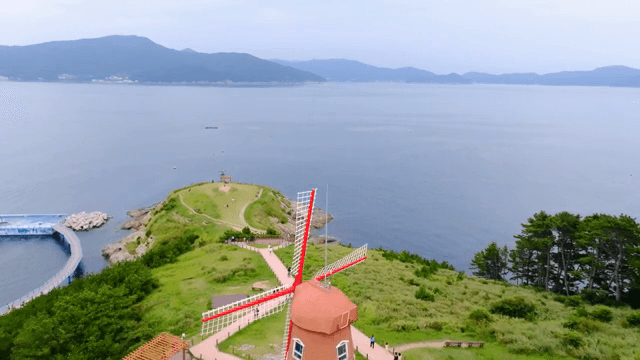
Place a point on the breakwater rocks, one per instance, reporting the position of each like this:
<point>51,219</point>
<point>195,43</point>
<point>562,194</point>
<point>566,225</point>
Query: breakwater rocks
<point>135,244</point>
<point>83,221</point>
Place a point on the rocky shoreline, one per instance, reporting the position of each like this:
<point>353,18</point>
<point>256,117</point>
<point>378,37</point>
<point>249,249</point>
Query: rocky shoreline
<point>123,250</point>
<point>119,251</point>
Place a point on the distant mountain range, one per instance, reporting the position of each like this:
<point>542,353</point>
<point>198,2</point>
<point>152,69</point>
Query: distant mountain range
<point>355,71</point>
<point>603,76</point>
<point>350,70</point>
<point>134,58</point>
<point>137,59</point>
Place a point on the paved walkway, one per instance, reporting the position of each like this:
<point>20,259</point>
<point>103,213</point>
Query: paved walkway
<point>208,349</point>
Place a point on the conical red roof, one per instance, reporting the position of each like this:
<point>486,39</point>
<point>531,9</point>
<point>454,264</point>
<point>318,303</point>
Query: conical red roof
<point>319,309</point>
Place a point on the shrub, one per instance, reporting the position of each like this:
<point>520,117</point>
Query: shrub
<point>436,325</point>
<point>602,313</point>
<point>272,231</point>
<point>593,296</point>
<point>423,294</point>
<point>572,339</point>
<point>412,281</point>
<point>559,298</point>
<point>224,258</point>
<point>460,276</point>
<point>516,307</point>
<point>573,301</point>
<point>480,315</point>
<point>582,324</point>
<point>634,318</point>
<point>246,230</point>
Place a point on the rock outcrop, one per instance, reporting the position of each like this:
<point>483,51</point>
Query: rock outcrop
<point>118,251</point>
<point>83,221</point>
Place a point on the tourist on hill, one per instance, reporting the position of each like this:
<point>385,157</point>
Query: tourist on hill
<point>399,356</point>
<point>289,271</point>
<point>395,356</point>
<point>373,341</point>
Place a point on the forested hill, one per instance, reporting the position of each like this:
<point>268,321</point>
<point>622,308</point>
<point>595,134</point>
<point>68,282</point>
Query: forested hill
<point>603,76</point>
<point>597,256</point>
<point>355,71</point>
<point>137,58</point>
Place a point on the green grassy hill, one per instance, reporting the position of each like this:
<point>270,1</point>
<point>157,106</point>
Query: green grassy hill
<point>402,298</point>
<point>385,292</point>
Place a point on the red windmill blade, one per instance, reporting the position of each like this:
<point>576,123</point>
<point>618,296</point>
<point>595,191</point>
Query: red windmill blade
<point>272,301</point>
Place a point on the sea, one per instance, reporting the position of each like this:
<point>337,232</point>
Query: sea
<point>437,170</point>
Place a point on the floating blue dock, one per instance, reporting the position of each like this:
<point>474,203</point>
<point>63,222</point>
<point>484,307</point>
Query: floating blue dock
<point>24,225</point>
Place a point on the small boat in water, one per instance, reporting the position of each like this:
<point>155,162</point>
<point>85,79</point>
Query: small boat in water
<point>211,127</point>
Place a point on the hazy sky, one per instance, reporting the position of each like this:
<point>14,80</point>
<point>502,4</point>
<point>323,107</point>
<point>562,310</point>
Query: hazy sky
<point>442,36</point>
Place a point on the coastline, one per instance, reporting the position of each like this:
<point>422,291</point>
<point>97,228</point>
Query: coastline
<point>137,243</point>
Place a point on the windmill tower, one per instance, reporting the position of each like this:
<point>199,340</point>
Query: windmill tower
<point>317,322</point>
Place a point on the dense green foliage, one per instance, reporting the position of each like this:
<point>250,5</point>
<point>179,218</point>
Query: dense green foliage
<point>516,307</point>
<point>598,255</point>
<point>168,252</point>
<point>423,294</point>
<point>406,257</point>
<point>480,315</point>
<point>634,318</point>
<point>491,263</point>
<point>93,318</point>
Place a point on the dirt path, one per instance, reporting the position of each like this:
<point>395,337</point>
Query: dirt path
<point>217,221</point>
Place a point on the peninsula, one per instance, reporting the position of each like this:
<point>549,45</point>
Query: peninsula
<point>415,305</point>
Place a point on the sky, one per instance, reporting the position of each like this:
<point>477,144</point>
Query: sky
<point>495,36</point>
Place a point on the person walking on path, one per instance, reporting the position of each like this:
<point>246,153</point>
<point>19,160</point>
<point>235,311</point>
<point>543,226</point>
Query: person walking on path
<point>269,247</point>
<point>395,356</point>
<point>373,341</point>
<point>399,356</point>
<point>289,271</point>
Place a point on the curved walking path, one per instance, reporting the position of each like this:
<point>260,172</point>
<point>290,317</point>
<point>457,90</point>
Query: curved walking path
<point>222,222</point>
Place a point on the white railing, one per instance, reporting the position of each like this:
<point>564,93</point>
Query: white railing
<point>64,274</point>
<point>246,315</point>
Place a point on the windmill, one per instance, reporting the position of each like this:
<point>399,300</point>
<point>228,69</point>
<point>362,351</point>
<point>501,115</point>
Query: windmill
<point>318,316</point>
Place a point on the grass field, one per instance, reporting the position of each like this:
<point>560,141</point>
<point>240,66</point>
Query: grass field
<point>261,335</point>
<point>269,206</point>
<point>212,268</point>
<point>489,352</point>
<point>226,206</point>
<point>186,287</point>
<point>385,294</point>
<point>383,289</point>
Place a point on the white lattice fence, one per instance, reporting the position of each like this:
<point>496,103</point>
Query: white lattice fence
<point>357,254</point>
<point>244,316</point>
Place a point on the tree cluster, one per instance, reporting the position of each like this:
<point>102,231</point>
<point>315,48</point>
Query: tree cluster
<point>568,254</point>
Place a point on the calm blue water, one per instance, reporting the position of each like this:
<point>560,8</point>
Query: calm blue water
<point>434,169</point>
